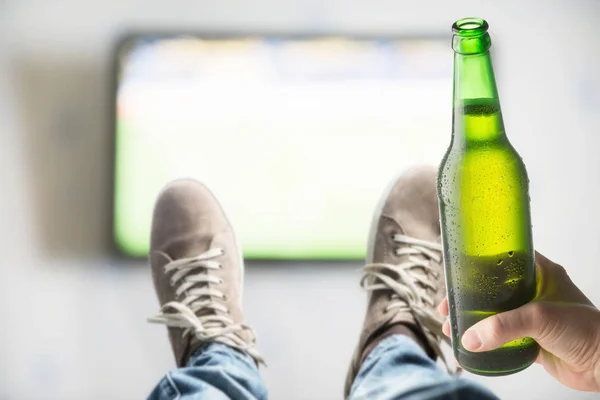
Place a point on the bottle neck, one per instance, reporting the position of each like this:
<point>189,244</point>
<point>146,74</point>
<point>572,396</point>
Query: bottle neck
<point>477,115</point>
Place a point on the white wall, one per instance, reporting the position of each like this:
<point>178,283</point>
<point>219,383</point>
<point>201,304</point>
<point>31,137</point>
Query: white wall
<point>72,321</point>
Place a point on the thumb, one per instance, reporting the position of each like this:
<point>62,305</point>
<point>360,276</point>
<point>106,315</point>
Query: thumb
<point>568,331</point>
<point>536,320</point>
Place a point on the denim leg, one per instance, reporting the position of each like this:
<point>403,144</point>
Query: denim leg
<point>215,371</point>
<point>399,369</point>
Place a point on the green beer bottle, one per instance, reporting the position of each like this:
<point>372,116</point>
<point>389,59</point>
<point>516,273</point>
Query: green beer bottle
<point>484,207</point>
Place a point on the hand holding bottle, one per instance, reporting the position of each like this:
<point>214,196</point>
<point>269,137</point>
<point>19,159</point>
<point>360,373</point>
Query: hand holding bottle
<point>561,319</point>
<point>485,216</point>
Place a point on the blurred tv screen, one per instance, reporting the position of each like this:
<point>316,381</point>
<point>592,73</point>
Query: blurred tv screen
<point>296,136</point>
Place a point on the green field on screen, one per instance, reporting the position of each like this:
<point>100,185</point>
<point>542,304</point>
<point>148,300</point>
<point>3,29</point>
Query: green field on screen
<point>296,137</point>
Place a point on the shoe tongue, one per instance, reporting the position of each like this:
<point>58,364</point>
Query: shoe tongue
<point>187,246</point>
<point>413,227</point>
<point>192,246</point>
<point>417,270</point>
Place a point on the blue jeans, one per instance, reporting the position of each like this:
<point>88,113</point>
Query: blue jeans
<point>396,369</point>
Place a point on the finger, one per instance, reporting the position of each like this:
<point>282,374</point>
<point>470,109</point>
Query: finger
<point>446,328</point>
<point>554,284</point>
<point>540,262</point>
<point>541,259</point>
<point>546,278</point>
<point>530,320</point>
<point>540,357</point>
<point>443,307</point>
<point>564,330</point>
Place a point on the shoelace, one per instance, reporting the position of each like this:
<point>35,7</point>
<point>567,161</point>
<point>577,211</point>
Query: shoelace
<point>409,289</point>
<point>197,311</point>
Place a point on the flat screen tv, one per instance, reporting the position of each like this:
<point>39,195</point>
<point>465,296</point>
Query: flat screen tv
<point>297,135</point>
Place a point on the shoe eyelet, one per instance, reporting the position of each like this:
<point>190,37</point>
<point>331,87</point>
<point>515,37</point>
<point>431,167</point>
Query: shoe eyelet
<point>220,266</point>
<point>224,297</point>
<point>221,281</point>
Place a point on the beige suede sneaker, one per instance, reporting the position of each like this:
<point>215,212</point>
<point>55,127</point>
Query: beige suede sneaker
<point>198,272</point>
<point>404,274</point>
